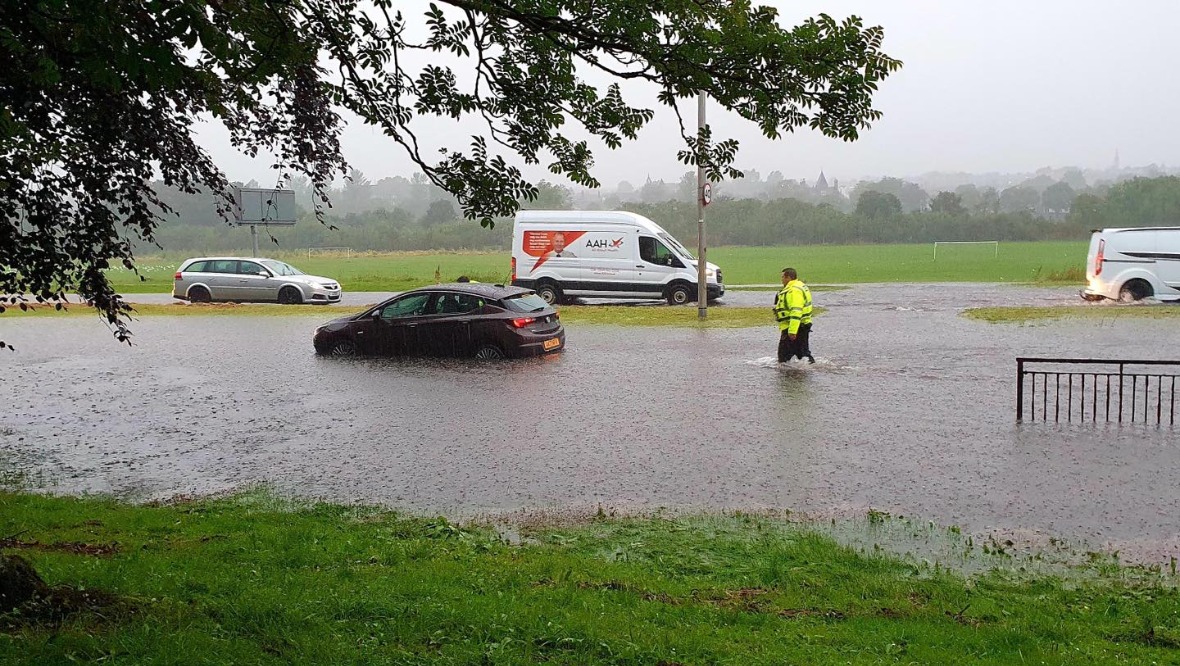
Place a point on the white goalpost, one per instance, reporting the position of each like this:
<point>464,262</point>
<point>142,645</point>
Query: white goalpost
<point>996,254</point>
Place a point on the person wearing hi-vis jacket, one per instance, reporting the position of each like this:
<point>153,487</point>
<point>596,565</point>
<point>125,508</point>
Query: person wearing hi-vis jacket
<point>792,311</point>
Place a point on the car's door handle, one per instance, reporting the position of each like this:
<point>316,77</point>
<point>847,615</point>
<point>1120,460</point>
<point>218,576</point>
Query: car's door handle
<point>639,265</point>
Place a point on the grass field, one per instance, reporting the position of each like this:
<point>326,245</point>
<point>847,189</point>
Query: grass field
<point>1028,314</point>
<point>256,580</point>
<point>819,264</point>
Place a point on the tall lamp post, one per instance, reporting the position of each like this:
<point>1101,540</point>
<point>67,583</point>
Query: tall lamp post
<point>704,196</point>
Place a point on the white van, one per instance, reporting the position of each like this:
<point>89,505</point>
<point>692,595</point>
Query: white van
<point>1133,264</point>
<point>604,254</point>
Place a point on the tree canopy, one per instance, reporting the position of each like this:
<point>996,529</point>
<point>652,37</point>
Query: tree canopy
<point>878,205</point>
<point>98,97</point>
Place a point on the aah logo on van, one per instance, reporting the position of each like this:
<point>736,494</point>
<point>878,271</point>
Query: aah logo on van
<point>603,244</point>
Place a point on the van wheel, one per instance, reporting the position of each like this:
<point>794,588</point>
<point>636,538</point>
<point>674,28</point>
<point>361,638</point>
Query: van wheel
<point>1135,290</point>
<point>290,296</point>
<point>549,292</point>
<point>679,294</point>
<point>199,295</point>
<point>488,352</point>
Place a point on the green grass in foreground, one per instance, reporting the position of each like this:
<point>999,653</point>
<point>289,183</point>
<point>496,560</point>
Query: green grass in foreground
<point>611,315</point>
<point>1103,312</point>
<point>818,264</point>
<point>253,580</point>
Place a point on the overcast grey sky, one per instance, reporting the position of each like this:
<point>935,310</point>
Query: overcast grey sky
<point>1000,85</point>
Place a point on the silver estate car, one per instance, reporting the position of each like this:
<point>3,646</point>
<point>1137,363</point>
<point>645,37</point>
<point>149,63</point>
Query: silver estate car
<point>243,279</point>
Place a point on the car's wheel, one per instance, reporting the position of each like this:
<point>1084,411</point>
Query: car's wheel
<point>290,296</point>
<point>679,294</point>
<point>199,295</point>
<point>1135,290</point>
<point>488,352</point>
<point>550,292</point>
<point>343,348</point>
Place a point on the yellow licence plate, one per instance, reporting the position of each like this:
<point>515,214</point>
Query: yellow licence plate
<point>551,343</point>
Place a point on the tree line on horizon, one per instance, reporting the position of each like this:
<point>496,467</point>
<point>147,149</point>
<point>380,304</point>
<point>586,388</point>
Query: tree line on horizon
<point>396,214</point>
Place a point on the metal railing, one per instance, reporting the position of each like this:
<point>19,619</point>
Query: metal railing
<point>1117,391</point>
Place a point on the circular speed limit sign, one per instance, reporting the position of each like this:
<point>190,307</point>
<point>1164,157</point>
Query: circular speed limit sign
<point>707,193</point>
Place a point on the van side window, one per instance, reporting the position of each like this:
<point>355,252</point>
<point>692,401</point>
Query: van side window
<point>198,267</point>
<point>654,252</point>
<point>223,266</point>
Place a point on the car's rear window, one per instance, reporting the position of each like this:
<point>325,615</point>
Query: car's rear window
<point>525,303</point>
<point>197,267</point>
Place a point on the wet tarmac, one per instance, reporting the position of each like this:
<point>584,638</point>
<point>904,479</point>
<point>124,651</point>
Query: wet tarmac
<point>910,411</point>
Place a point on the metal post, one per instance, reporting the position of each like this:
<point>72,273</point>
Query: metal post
<point>254,236</point>
<point>702,283</point>
<point>1069,401</point>
<point>1120,392</point>
<point>1019,390</point>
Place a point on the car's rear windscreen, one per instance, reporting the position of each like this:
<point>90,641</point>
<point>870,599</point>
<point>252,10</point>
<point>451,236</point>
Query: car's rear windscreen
<point>525,303</point>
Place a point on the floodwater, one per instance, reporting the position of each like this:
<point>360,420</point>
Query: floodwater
<point>910,411</point>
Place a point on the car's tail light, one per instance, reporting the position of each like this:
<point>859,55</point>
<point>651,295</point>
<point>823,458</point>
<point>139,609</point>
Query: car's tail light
<point>514,269</point>
<point>177,276</point>
<point>521,322</point>
<point>1099,258</point>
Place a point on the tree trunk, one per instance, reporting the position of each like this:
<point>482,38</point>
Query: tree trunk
<point>19,582</point>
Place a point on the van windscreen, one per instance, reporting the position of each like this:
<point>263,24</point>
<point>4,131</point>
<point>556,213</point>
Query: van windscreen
<point>676,244</point>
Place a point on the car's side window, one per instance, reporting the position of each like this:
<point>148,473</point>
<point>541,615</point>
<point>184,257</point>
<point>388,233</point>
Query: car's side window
<point>456,303</point>
<point>407,306</point>
<point>469,302</point>
<point>197,267</point>
<point>222,266</point>
<point>249,268</point>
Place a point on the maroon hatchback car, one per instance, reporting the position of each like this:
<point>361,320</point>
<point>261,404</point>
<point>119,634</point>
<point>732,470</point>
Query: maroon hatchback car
<point>483,321</point>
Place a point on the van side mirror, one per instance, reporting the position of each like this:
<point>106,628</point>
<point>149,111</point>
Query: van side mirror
<point>264,274</point>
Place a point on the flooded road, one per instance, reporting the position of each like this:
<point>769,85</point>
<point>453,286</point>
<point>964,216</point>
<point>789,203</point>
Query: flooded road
<point>909,411</point>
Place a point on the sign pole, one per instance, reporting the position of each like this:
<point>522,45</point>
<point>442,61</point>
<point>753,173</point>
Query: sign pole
<point>702,194</point>
<point>254,236</point>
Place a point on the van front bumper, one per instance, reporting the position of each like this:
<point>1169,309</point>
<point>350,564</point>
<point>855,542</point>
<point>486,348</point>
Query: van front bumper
<point>715,290</point>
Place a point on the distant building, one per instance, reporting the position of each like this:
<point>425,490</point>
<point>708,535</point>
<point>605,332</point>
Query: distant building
<point>821,184</point>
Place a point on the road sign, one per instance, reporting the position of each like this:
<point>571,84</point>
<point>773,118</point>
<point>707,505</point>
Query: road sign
<point>267,207</point>
<point>707,194</point>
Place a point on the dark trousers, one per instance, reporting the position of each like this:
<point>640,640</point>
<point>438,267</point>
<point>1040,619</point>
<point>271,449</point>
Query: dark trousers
<point>799,348</point>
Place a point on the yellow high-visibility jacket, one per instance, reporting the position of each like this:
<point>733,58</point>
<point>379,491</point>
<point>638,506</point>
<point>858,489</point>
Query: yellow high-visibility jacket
<point>793,306</point>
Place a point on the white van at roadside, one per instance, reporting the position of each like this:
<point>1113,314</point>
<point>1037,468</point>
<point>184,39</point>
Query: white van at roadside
<point>604,254</point>
<point>1133,264</point>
